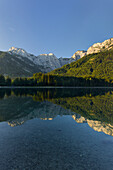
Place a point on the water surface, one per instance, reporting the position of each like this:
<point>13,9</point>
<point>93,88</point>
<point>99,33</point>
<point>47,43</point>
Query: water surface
<point>56,129</point>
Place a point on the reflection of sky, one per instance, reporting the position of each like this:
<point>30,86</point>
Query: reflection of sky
<point>58,144</point>
<point>96,125</point>
<point>18,110</point>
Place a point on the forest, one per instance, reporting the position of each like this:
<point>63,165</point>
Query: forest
<point>90,71</point>
<point>98,65</point>
<point>41,79</point>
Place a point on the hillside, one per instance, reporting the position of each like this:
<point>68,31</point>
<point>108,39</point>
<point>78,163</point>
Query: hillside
<point>15,66</point>
<point>98,65</point>
<point>47,62</point>
<point>16,62</point>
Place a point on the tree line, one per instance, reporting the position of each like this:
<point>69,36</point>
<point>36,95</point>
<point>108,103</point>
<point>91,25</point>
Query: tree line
<point>41,79</point>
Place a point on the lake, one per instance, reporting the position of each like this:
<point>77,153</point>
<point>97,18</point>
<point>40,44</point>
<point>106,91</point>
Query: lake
<point>62,128</point>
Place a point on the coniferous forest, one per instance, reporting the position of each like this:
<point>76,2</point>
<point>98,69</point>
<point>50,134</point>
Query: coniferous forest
<point>40,79</point>
<point>91,70</point>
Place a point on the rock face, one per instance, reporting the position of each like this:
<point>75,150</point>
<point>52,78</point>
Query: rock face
<point>79,54</point>
<point>47,62</point>
<point>19,51</point>
<point>95,48</point>
<point>98,47</point>
<point>16,62</point>
<point>17,65</point>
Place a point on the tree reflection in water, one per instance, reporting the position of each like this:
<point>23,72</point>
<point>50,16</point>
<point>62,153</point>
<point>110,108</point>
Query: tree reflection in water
<point>92,106</point>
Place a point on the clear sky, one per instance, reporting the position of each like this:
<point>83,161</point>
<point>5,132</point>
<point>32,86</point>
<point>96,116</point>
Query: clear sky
<point>58,26</point>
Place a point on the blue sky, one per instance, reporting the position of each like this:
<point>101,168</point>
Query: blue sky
<point>58,26</point>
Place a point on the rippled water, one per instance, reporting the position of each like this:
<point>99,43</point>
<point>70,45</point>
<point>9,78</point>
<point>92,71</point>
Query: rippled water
<point>56,129</point>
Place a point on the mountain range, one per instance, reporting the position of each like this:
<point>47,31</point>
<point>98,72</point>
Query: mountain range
<point>16,62</point>
<point>98,63</point>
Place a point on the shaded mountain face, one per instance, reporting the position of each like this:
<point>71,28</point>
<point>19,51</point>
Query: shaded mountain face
<point>41,63</point>
<point>17,66</point>
<point>18,63</point>
<point>48,62</point>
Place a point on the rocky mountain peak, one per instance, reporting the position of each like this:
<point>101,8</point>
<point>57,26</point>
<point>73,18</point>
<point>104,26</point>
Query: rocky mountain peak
<point>18,51</point>
<point>45,62</point>
<point>47,55</point>
<point>98,47</point>
<point>79,54</point>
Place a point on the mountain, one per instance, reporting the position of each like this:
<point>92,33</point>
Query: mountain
<point>98,47</point>
<point>79,54</point>
<point>44,62</point>
<point>47,61</point>
<point>95,48</point>
<point>16,62</point>
<point>16,65</point>
<point>98,65</point>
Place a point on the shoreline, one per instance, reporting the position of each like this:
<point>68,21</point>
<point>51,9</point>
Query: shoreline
<point>51,87</point>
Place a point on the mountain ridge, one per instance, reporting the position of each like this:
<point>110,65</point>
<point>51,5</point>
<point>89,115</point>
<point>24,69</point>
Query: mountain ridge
<point>96,64</point>
<point>48,61</point>
<point>17,62</point>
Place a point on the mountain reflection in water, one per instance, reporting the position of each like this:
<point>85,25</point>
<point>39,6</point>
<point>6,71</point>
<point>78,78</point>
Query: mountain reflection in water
<point>96,125</point>
<point>91,106</point>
